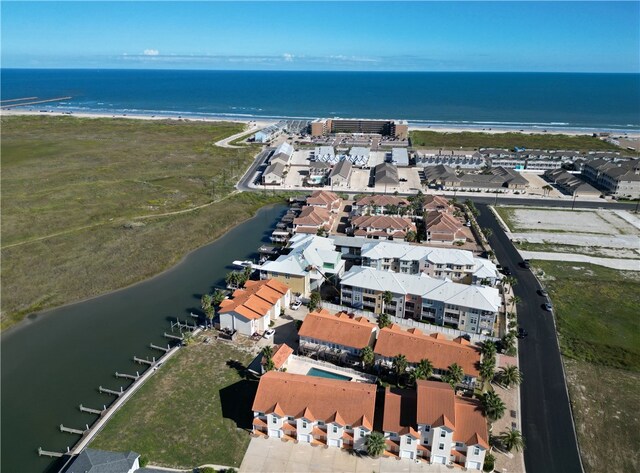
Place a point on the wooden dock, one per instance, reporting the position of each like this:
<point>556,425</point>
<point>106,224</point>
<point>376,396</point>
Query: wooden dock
<point>69,430</point>
<point>111,391</point>
<point>92,411</point>
<point>128,376</point>
<point>47,453</point>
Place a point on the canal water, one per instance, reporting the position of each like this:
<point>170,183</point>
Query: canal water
<point>57,360</point>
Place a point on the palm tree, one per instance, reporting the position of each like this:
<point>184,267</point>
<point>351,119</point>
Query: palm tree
<point>510,280</point>
<point>492,406</point>
<point>515,300</point>
<point>209,314</point>
<point>267,354</point>
<point>423,370</point>
<point>375,444</point>
<point>454,375</point>
<point>384,321</point>
<point>232,279</point>
<point>487,368</point>
<point>508,342</point>
<point>399,365</point>
<point>366,356</point>
<point>511,439</point>
<point>510,375</point>
<point>487,232</point>
<point>205,302</point>
<point>218,297</point>
<point>488,349</point>
<point>315,301</point>
<point>387,298</point>
<point>411,236</point>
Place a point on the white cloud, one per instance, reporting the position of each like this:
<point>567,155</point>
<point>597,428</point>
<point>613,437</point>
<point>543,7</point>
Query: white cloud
<point>151,52</point>
<point>288,57</point>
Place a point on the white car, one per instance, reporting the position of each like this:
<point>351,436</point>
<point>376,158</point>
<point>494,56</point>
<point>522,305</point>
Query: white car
<point>269,333</point>
<point>296,305</point>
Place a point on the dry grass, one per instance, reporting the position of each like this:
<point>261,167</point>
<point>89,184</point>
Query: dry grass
<point>77,194</point>
<point>188,414</point>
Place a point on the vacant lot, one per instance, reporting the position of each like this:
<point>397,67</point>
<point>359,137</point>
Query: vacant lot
<point>474,140</point>
<point>194,411</point>
<point>599,330</point>
<point>597,251</point>
<point>91,205</point>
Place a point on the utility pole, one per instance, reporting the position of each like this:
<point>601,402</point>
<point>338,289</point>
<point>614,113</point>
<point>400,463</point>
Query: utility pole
<point>573,204</point>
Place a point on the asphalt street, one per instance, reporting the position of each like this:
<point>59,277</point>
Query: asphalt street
<point>547,424</point>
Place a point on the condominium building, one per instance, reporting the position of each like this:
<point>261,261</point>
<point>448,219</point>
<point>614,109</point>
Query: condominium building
<point>443,227</point>
<point>432,423</point>
<point>380,204</point>
<point>326,200</point>
<point>314,410</point>
<point>571,184</point>
<point>382,227</point>
<point>437,348</point>
<point>336,337</point>
<point>310,262</point>
<point>471,308</point>
<point>619,178</point>
<point>313,219</point>
<point>394,128</point>
<point>341,174</point>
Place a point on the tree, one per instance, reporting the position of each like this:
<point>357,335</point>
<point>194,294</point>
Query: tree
<point>510,280</point>
<point>233,279</point>
<point>218,297</point>
<point>411,236</point>
<point>508,342</point>
<point>267,354</point>
<point>487,368</point>
<point>454,375</point>
<point>315,301</point>
<point>399,365</point>
<point>384,321</point>
<point>488,349</point>
<point>423,370</point>
<point>512,438</point>
<point>375,444</point>
<point>547,189</point>
<point>205,302</point>
<point>492,406</point>
<point>515,300</point>
<point>489,462</point>
<point>510,376</point>
<point>387,298</point>
<point>487,232</point>
<point>209,314</point>
<point>321,232</point>
<point>366,356</point>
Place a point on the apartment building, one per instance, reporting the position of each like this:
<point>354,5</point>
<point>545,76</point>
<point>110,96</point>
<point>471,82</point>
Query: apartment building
<point>335,337</point>
<point>452,158</point>
<point>340,175</point>
<point>381,204</point>
<point>394,128</point>
<point>437,348</point>
<point>571,184</point>
<point>252,308</point>
<point>310,262</point>
<point>432,423</point>
<point>309,409</point>
<point>436,203</point>
<point>382,227</point>
<point>471,308</point>
<point>313,219</point>
<point>620,179</point>
<point>442,227</point>
<point>325,199</point>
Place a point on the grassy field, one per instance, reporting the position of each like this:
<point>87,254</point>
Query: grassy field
<point>475,140</point>
<point>81,194</point>
<point>192,412</point>
<point>577,249</point>
<point>599,330</point>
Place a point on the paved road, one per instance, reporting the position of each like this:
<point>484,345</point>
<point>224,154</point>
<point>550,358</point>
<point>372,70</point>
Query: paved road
<point>546,414</point>
<point>250,175</point>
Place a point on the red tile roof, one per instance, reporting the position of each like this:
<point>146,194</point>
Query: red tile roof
<point>313,216</point>
<point>280,355</point>
<point>339,328</point>
<point>471,424</point>
<point>444,226</point>
<point>382,200</point>
<point>383,222</point>
<point>256,299</point>
<point>324,198</point>
<point>295,394</point>
<point>436,348</point>
<point>436,404</point>
<point>400,412</point>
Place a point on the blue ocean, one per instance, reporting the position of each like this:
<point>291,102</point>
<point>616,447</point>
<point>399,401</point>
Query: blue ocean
<point>483,100</point>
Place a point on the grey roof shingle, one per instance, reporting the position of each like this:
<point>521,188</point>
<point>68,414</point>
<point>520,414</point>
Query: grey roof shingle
<point>102,461</point>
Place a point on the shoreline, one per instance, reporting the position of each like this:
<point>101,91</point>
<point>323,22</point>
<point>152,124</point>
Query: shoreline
<point>26,321</point>
<point>266,121</point>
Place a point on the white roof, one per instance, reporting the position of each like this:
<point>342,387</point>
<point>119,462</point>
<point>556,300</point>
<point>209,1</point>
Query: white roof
<point>285,148</point>
<point>406,252</point>
<point>306,250</point>
<point>471,296</point>
<point>324,151</point>
<point>485,269</point>
<point>400,156</point>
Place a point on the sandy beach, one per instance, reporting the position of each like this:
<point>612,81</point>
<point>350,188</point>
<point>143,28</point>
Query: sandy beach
<point>263,122</point>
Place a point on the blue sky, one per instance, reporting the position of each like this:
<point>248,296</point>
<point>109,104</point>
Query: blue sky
<point>426,36</point>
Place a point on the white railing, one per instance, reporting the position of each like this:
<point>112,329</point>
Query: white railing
<point>325,364</point>
<point>429,328</point>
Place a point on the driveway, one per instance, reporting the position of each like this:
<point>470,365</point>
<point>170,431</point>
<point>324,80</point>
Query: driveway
<point>273,455</point>
<point>547,424</point>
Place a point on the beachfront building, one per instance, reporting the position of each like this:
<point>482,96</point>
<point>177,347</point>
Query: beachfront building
<point>398,129</point>
<point>434,424</point>
<point>335,337</point>
<point>386,174</point>
<point>571,184</point>
<point>314,410</point>
<point>383,227</point>
<point>443,227</point>
<point>380,204</point>
<point>282,154</point>
<point>313,220</point>
<point>618,178</point>
<point>471,308</point>
<point>437,348</point>
<point>251,309</point>
<point>311,260</point>
<point>455,159</point>
<point>326,200</point>
<point>341,174</point>
<point>267,134</point>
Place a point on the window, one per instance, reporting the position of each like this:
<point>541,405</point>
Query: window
<point>441,447</point>
<point>408,440</point>
<point>443,434</point>
<point>427,428</point>
<point>274,420</point>
<point>304,424</point>
<point>290,418</point>
<point>459,444</point>
<point>320,423</point>
<point>476,451</point>
<point>348,427</point>
<point>363,432</point>
<point>335,429</point>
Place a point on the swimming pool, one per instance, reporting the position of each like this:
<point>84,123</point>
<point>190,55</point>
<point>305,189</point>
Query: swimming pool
<point>327,374</point>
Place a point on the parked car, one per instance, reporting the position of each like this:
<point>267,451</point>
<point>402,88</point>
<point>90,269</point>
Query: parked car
<point>296,305</point>
<point>525,264</point>
<point>269,333</point>
<point>522,333</point>
<point>543,293</point>
<point>506,271</point>
<point>547,306</point>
